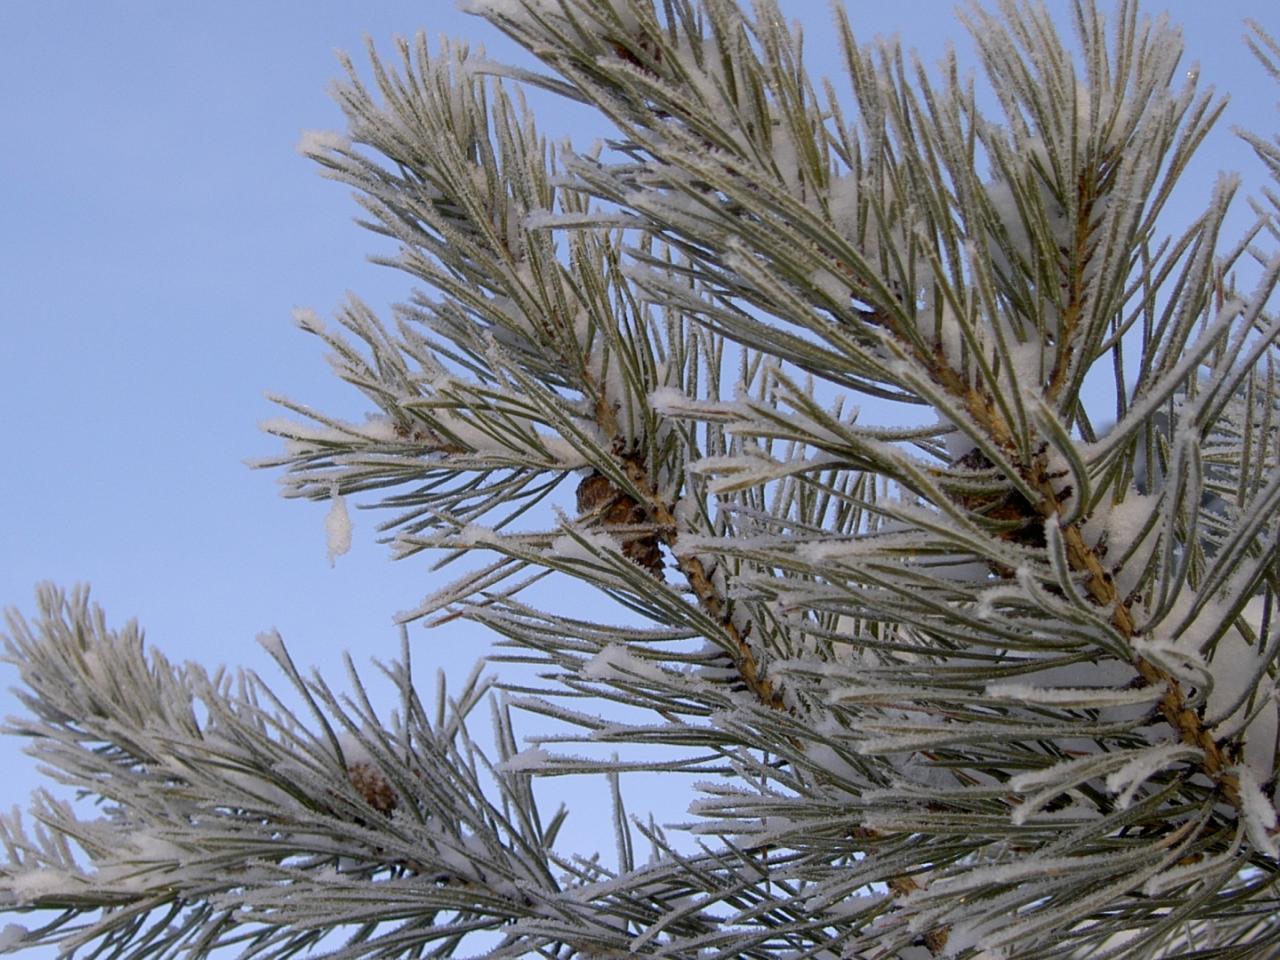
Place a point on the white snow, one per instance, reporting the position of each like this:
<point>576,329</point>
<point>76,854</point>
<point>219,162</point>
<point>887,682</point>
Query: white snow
<point>353,751</point>
<point>597,543</point>
<point>828,760</point>
<point>337,527</point>
<point>568,457</point>
<point>477,535</point>
<point>1005,206</point>
<point>467,432</point>
<point>11,936</point>
<point>254,790</point>
<point>314,143</point>
<point>1259,812</point>
<point>1125,522</point>
<point>518,11</point>
<point>559,220</point>
<point>708,79</point>
<point>1128,779</point>
<point>966,935</point>
<point>307,434</point>
<point>378,426</point>
<point>531,759</point>
<point>152,847</point>
<point>29,886</point>
<point>617,662</point>
<point>674,402</point>
<point>786,159</point>
<point>950,335</point>
<point>273,643</point>
<point>827,283</point>
<point>842,198</point>
<point>1234,666</point>
<point>1086,697</point>
<point>1027,362</point>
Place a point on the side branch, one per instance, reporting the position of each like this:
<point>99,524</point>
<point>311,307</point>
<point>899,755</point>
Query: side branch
<point>1191,727</point>
<point>699,580</point>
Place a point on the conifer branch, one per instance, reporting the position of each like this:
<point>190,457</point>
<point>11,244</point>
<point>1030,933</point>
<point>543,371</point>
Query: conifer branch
<point>1000,680</point>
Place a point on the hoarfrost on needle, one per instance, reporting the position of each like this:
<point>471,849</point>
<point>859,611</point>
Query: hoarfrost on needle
<point>337,527</point>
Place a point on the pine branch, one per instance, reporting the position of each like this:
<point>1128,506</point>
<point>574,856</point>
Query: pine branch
<point>999,682</point>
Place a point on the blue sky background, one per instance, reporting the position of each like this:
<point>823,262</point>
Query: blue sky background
<point>157,228</point>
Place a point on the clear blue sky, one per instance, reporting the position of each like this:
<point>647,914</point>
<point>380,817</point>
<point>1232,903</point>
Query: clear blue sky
<point>157,228</point>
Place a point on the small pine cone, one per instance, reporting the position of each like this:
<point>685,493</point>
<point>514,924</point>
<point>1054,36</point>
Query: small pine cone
<point>1026,527</point>
<point>623,50</point>
<point>597,495</point>
<point>373,786</point>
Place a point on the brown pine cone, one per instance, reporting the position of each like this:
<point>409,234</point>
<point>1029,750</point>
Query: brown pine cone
<point>1024,525</point>
<point>598,496</point>
<point>373,786</point>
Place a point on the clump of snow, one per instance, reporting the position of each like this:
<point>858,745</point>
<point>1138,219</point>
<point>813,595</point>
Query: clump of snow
<point>314,143</point>
<point>1004,204</point>
<point>308,319</point>
<point>617,662</point>
<point>1026,360</point>
<point>825,758</point>
<point>674,402</point>
<point>1259,812</point>
<point>586,547</point>
<point>567,456</point>
<point>254,790</point>
<point>28,886</point>
<point>303,438</point>
<point>1235,667</point>
<point>525,760</point>
<point>965,936</point>
<point>337,527</point>
<point>1034,205</point>
<point>273,643</point>
<point>944,325</point>
<point>477,535</point>
<point>1129,531</point>
<point>353,751</point>
<point>842,200</point>
<point>380,427</point>
<point>959,443</point>
<point>151,846</point>
<point>11,937</point>
<point>786,160</point>
<point>831,286</point>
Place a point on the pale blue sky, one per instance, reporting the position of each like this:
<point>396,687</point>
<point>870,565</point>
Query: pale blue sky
<point>157,228</point>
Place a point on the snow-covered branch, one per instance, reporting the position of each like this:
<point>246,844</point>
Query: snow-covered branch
<point>995,680</point>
